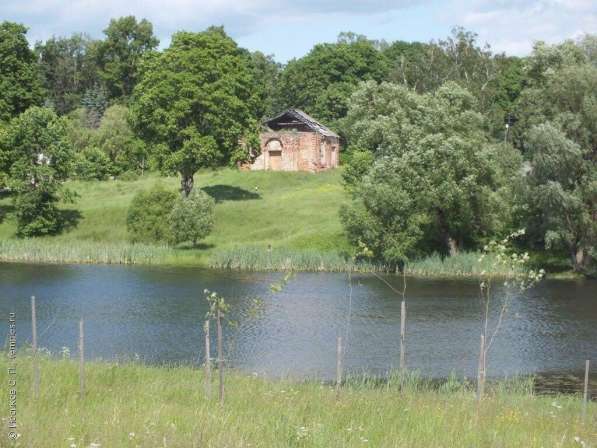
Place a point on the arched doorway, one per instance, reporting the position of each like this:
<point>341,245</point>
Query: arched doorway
<point>274,153</point>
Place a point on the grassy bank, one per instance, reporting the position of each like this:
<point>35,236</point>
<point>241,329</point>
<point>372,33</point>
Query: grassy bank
<point>294,211</point>
<point>131,405</point>
<point>264,221</point>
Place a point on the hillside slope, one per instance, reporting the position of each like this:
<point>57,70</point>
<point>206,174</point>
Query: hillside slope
<point>281,209</point>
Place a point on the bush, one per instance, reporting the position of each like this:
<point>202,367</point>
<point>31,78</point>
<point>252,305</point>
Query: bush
<point>37,214</point>
<point>147,219</point>
<point>192,217</point>
<point>92,164</point>
<point>128,176</point>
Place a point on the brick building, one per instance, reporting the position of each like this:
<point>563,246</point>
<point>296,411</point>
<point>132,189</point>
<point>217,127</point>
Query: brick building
<point>293,141</point>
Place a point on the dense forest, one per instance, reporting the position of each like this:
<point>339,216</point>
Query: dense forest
<point>446,143</point>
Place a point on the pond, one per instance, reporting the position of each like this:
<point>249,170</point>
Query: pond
<point>156,314</point>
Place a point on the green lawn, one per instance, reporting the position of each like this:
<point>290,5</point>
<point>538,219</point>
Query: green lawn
<point>294,211</point>
<point>131,405</point>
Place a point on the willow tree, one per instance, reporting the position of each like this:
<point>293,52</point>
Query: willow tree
<point>195,102</point>
<point>433,181</point>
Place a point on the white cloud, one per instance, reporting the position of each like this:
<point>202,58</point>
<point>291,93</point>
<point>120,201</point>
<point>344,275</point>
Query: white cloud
<point>508,25</point>
<point>240,17</point>
<point>513,26</point>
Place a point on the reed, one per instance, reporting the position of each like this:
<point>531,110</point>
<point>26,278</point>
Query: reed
<point>58,251</point>
<point>253,258</point>
<point>130,404</point>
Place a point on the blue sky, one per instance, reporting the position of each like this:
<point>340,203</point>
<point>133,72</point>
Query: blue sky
<point>289,28</point>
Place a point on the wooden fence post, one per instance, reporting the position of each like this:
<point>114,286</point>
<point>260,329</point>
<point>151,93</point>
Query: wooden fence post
<point>481,373</point>
<point>220,356</point>
<point>402,335</point>
<point>586,390</point>
<point>81,359</point>
<point>338,365</point>
<point>207,360</point>
<point>34,347</point>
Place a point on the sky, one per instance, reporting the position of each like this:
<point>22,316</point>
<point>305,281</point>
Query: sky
<point>289,28</point>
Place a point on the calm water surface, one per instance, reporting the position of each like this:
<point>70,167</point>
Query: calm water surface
<point>157,314</point>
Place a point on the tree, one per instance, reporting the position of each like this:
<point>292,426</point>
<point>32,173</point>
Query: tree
<point>192,217</point>
<point>266,72</point>
<point>117,140</point>
<point>321,82</point>
<point>195,102</point>
<point>20,85</point>
<point>95,103</point>
<point>557,132</point>
<point>146,219</point>
<point>562,193</point>
<point>434,184</point>
<point>37,156</point>
<point>68,69</point>
<point>119,55</point>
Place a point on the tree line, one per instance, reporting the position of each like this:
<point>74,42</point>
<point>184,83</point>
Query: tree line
<point>448,144</point>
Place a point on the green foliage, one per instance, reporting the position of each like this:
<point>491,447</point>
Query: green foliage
<point>116,139</point>
<point>20,87</point>
<point>561,195</point>
<point>147,216</point>
<point>321,82</point>
<point>37,157</point>
<point>191,218</point>
<point>194,102</point>
<point>68,69</point>
<point>435,180</point>
<point>95,102</point>
<point>557,130</point>
<point>359,164</point>
<point>266,72</point>
<point>119,55</point>
<point>37,214</point>
<point>91,164</point>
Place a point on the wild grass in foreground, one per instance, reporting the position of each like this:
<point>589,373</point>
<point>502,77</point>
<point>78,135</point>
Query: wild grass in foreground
<point>132,405</point>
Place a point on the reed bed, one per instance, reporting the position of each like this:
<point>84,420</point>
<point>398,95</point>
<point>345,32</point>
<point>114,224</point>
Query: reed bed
<point>464,264</point>
<point>133,405</point>
<point>254,258</point>
<point>56,251</point>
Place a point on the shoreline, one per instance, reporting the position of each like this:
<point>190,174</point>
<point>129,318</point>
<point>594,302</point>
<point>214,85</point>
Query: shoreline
<point>240,259</point>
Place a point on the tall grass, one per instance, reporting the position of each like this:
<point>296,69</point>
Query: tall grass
<point>50,251</point>
<point>253,258</point>
<point>131,405</point>
<point>464,264</point>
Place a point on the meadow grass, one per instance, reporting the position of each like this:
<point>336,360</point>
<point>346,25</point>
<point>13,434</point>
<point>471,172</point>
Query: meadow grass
<point>133,405</point>
<point>295,211</point>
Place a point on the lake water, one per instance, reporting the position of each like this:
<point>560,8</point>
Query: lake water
<point>157,313</point>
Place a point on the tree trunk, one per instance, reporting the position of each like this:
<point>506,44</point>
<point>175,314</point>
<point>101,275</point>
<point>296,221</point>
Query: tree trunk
<point>452,245</point>
<point>186,183</point>
<point>578,258</point>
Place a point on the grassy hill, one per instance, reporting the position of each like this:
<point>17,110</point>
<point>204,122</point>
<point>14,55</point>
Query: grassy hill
<point>295,212</point>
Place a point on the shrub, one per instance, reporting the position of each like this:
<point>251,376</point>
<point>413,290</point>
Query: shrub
<point>37,214</point>
<point>192,217</point>
<point>147,219</point>
<point>128,176</point>
<point>92,163</point>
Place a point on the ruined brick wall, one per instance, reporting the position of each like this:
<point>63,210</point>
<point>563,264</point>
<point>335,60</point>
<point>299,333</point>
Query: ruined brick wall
<point>297,151</point>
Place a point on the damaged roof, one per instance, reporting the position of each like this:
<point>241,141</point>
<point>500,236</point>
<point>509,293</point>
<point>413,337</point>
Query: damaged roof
<point>294,118</point>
